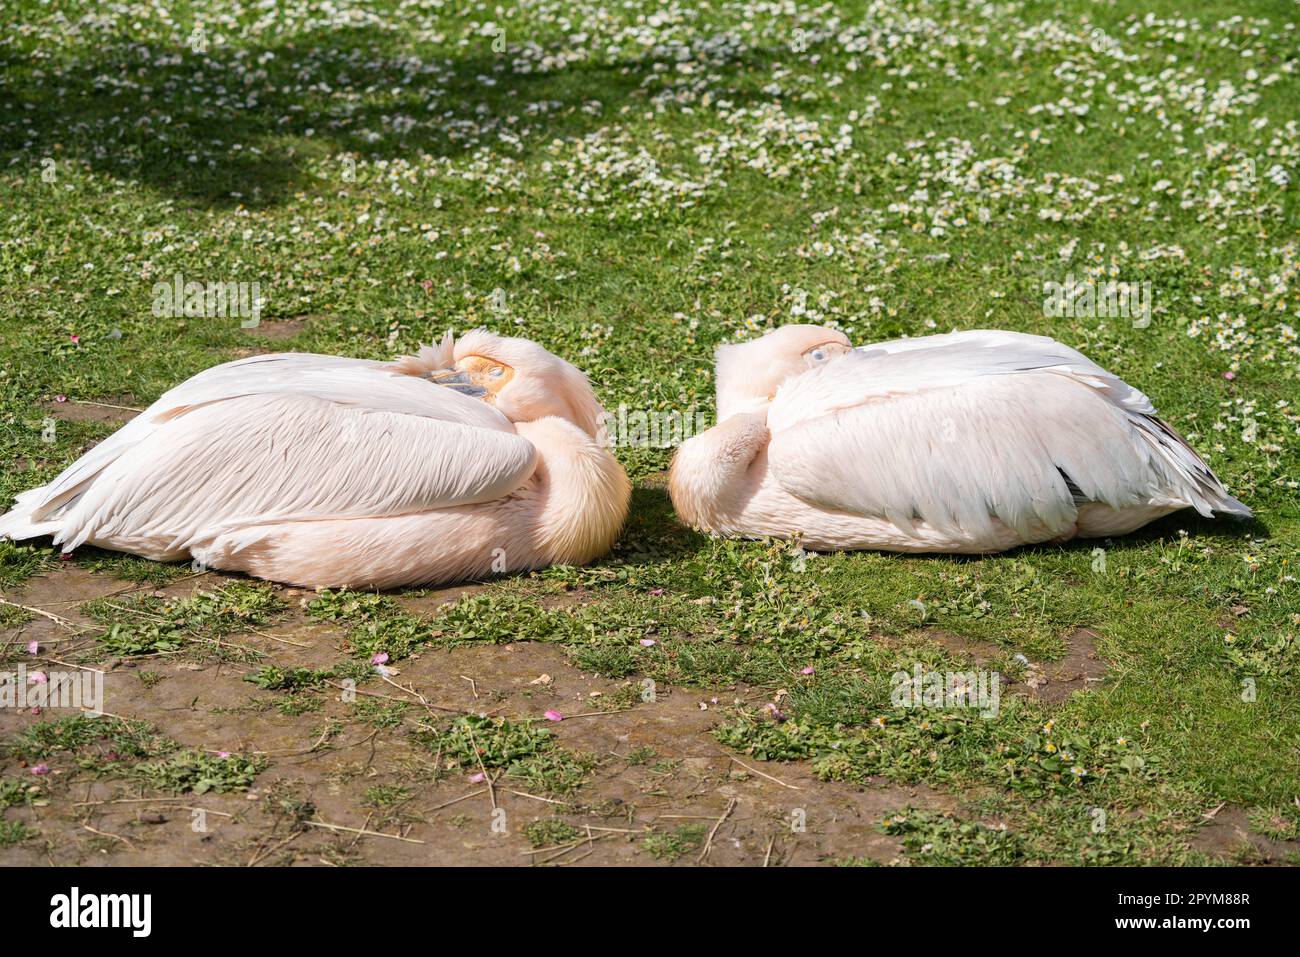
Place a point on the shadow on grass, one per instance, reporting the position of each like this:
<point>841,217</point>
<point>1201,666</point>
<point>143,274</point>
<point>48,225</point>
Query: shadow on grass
<point>240,125</point>
<point>653,516</point>
<point>1221,531</point>
<point>653,532</point>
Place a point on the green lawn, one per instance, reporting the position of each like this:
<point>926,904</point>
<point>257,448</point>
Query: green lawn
<point>630,184</point>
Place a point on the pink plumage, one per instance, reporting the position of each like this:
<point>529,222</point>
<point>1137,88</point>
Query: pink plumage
<point>478,456</point>
<point>967,442</point>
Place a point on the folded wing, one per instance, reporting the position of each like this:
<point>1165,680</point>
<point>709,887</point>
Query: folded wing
<point>963,429</point>
<point>279,438</point>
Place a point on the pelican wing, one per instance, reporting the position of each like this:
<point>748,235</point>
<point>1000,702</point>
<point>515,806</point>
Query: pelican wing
<point>961,429</point>
<point>284,437</point>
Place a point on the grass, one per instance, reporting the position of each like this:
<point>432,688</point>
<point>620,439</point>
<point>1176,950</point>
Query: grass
<point>13,792</point>
<point>88,738</point>
<point>273,678</point>
<point>551,832</point>
<point>671,845</point>
<point>940,840</point>
<point>197,772</point>
<point>518,750</point>
<point>15,832</point>
<point>148,625</point>
<point>659,186</point>
<point>133,751</point>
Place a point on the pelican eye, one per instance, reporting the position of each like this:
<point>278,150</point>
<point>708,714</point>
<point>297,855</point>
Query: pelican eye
<point>823,352</point>
<point>491,374</point>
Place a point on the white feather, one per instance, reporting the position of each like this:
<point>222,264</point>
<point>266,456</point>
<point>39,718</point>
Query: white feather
<point>961,429</point>
<point>279,438</point>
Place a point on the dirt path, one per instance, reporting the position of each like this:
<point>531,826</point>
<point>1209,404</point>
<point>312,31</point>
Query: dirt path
<point>657,769</point>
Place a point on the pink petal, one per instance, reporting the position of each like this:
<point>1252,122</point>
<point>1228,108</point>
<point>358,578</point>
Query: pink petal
<point>809,670</point>
<point>60,398</point>
<point>1230,375</point>
<point>380,659</point>
<point>476,778</point>
<point>553,716</point>
<point>33,647</point>
<point>41,769</point>
<point>223,754</point>
<point>37,678</point>
<point>75,338</point>
<point>648,642</point>
<point>656,592</point>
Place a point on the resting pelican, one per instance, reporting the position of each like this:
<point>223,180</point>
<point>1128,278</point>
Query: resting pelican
<point>969,442</point>
<point>478,456</point>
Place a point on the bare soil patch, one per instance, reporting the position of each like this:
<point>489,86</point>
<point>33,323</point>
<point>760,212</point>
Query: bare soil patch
<point>657,765</point>
<point>1229,835</point>
<point>115,410</point>
<point>279,328</point>
<point>1052,682</point>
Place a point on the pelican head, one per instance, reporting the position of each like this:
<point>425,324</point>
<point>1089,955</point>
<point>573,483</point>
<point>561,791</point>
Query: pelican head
<point>519,377</point>
<point>749,373</point>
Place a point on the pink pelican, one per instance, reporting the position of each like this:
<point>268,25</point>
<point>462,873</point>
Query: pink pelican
<point>968,442</point>
<point>479,456</point>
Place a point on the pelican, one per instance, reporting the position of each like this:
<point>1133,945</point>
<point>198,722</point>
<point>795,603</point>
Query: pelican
<point>480,455</point>
<point>969,442</point>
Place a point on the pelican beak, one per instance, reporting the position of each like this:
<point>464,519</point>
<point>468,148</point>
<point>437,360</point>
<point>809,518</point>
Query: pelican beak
<point>457,381</point>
